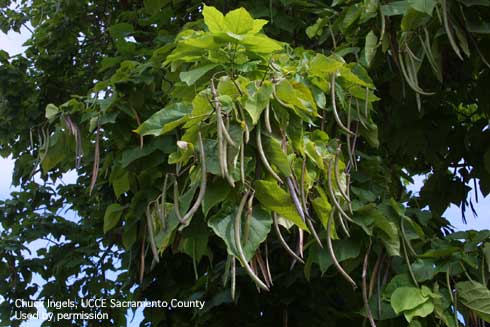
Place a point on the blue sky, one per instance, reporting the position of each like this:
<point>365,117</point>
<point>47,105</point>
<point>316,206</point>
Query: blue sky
<point>12,43</point>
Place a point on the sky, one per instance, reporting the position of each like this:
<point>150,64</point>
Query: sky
<point>12,43</point>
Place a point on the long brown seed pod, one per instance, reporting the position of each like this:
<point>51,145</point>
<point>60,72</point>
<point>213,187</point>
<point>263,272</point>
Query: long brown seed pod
<point>95,168</point>
<point>405,72</point>
<point>425,42</point>
<point>334,200</point>
<point>267,118</point>
<point>226,270</point>
<point>375,273</point>
<point>219,129</point>
<point>142,258</point>
<point>267,263</point>
<point>263,157</point>
<point>414,76</point>
<point>219,119</point>
<point>404,235</point>
<point>300,242</point>
<point>407,261</point>
<point>294,197</point>
<point>378,288</point>
<point>366,103</point>
<point>249,213</point>
<point>364,287</point>
<point>228,177</point>
<point>383,26</point>
<point>302,186</point>
<point>262,267</point>
<point>202,191</point>
<point>337,179</point>
<point>299,209</point>
<point>194,260</point>
<point>233,278</point>
<point>347,137</point>
<point>161,206</point>
<point>283,241</point>
<point>247,131</point>
<point>309,221</point>
<point>149,223</point>
<point>342,224</point>
<point>227,135</point>
<point>176,202</point>
<point>445,18</point>
<point>242,162</point>
<point>313,231</point>
<point>332,253</point>
<point>238,242</point>
<point>334,107</point>
<point>354,143</point>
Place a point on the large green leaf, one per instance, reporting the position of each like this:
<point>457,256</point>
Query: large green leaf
<point>258,225</point>
<point>389,234</point>
<point>407,298</point>
<point>165,120</point>
<point>274,198</point>
<point>425,6</point>
<point>112,216</point>
<point>120,181</point>
<point>195,239</point>
<point>344,250</point>
<point>216,192</point>
<point>370,46</point>
<point>190,77</point>
<point>476,297</point>
<point>164,144</point>
<point>60,149</point>
<point>398,281</point>
<point>321,65</point>
<point>256,103</point>
<point>322,207</point>
<point>214,19</point>
<point>51,111</point>
<point>395,8</point>
<point>261,44</point>
<point>424,269</point>
<point>422,310</point>
<point>238,21</point>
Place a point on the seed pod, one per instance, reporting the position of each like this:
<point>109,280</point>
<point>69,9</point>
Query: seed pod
<point>332,253</point>
<point>239,247</point>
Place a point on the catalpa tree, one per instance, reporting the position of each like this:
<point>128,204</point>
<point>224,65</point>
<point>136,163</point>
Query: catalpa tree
<point>260,165</point>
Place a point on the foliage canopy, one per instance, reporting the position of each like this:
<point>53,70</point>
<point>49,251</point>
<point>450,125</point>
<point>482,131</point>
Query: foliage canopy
<point>259,164</point>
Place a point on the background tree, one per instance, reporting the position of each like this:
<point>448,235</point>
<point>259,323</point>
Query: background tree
<point>296,132</point>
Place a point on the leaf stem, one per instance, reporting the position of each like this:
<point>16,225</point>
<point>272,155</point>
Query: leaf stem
<point>364,287</point>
